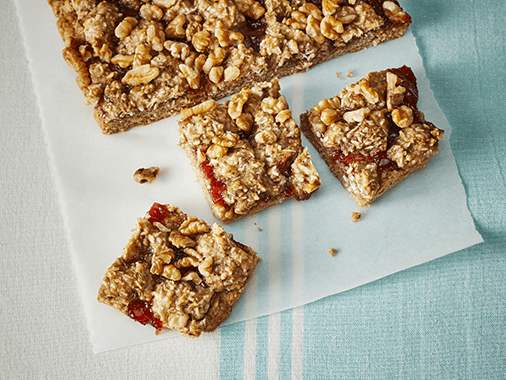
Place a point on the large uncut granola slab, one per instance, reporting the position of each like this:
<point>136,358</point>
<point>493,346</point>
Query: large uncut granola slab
<point>248,152</point>
<point>178,272</point>
<point>138,61</point>
<point>371,134</point>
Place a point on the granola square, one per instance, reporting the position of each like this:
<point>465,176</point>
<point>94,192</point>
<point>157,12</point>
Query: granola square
<point>178,272</point>
<point>372,135</point>
<point>248,151</point>
<point>141,61</point>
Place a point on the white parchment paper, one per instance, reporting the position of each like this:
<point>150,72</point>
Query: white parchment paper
<point>424,218</point>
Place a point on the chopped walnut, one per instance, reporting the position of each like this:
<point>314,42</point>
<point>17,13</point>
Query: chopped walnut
<point>146,175</point>
<point>356,216</point>
<point>332,252</point>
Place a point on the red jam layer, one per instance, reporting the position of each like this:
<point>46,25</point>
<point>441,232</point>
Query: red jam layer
<point>217,187</point>
<point>381,159</point>
<point>409,83</point>
<point>157,213</point>
<point>141,312</point>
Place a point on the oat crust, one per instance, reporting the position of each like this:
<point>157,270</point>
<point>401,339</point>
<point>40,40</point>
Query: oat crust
<point>138,62</point>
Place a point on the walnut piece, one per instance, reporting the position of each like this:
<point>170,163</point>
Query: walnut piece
<point>146,175</point>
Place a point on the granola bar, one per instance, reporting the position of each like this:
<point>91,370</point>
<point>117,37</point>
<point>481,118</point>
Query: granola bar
<point>371,134</point>
<point>138,61</point>
<point>248,151</point>
<point>178,272</point>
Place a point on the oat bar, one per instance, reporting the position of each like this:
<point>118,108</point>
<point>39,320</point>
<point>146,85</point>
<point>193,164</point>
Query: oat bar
<point>248,151</point>
<point>140,61</point>
<point>371,134</point>
<point>178,272</point>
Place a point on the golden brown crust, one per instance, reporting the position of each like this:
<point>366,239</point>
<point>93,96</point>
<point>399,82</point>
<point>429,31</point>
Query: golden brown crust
<point>372,135</point>
<point>248,152</point>
<point>178,272</point>
<point>138,62</point>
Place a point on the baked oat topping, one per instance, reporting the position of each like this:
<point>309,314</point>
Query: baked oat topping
<point>373,132</point>
<point>142,60</point>
<point>248,151</point>
<point>178,272</point>
<point>146,175</point>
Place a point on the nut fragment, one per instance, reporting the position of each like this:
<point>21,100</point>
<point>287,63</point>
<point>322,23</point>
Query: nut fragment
<point>332,251</point>
<point>201,108</point>
<point>216,74</point>
<point>122,61</point>
<point>125,27</point>
<point>402,116</point>
<point>330,6</point>
<point>356,116</point>
<point>191,76</point>
<point>355,216</point>
<point>181,241</point>
<point>329,116</point>
<point>141,75</point>
<point>201,40</point>
<point>395,13</point>
<point>146,175</point>
<point>171,272</point>
<point>216,151</point>
<point>205,267</point>
<point>231,73</point>
<point>192,226</point>
<point>331,28</point>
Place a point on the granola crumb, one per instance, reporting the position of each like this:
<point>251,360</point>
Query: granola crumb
<point>350,74</point>
<point>258,227</point>
<point>338,74</point>
<point>332,252</point>
<point>146,175</point>
<point>355,216</point>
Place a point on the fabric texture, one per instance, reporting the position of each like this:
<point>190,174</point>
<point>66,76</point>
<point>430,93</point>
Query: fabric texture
<point>442,320</point>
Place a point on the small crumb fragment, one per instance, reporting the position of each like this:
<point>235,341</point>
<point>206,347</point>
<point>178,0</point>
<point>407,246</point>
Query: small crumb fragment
<point>332,252</point>
<point>338,74</point>
<point>355,216</point>
<point>349,74</point>
<point>146,175</point>
<point>258,227</point>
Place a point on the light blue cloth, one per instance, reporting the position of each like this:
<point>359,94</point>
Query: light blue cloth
<point>445,319</point>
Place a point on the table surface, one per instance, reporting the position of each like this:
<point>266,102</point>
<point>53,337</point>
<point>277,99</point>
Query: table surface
<point>442,320</point>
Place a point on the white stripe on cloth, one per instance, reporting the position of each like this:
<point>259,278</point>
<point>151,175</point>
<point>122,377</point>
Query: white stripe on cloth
<point>274,321</point>
<point>250,349</point>
<point>274,337</point>
<point>298,276</point>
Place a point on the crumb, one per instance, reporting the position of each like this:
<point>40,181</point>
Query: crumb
<point>349,74</point>
<point>332,252</point>
<point>338,74</point>
<point>258,227</point>
<point>146,175</point>
<point>355,216</point>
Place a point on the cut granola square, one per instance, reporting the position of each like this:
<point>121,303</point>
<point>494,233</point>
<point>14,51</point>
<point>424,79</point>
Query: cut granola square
<point>372,134</point>
<point>248,151</point>
<point>140,61</point>
<point>178,272</point>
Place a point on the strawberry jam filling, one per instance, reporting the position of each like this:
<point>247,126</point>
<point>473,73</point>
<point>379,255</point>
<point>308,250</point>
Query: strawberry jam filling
<point>141,312</point>
<point>157,213</point>
<point>217,187</point>
<point>408,81</point>
<point>384,163</point>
